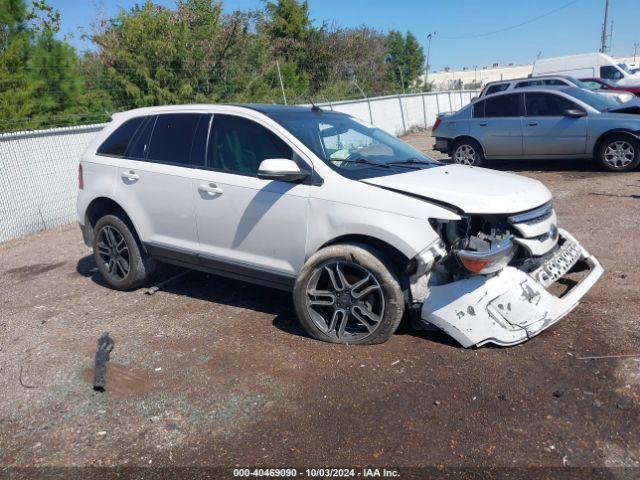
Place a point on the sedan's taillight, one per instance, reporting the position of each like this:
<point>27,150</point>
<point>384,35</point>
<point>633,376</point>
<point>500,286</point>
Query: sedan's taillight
<point>437,124</point>
<point>80,177</point>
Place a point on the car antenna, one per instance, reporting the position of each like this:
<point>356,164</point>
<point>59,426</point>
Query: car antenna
<point>314,107</point>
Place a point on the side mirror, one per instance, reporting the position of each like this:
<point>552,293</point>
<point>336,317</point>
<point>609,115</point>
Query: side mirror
<point>574,113</point>
<point>281,169</point>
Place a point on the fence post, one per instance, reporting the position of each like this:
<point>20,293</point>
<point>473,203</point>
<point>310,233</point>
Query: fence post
<point>424,110</point>
<point>437,103</point>
<point>404,125</point>
<point>370,114</point>
<point>450,102</point>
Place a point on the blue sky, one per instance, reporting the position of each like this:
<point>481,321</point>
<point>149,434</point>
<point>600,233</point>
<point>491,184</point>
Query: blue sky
<point>574,29</point>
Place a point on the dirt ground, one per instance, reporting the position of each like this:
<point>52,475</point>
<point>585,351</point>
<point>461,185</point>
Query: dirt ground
<point>218,373</point>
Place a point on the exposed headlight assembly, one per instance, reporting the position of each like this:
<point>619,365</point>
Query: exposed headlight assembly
<point>480,245</point>
<point>491,260</point>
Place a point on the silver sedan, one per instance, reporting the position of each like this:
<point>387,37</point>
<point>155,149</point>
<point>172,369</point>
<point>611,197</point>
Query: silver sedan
<point>542,123</point>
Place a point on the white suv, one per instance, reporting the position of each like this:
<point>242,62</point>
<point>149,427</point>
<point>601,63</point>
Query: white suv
<point>358,224</point>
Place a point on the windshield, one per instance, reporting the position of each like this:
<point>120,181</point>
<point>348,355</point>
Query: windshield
<point>624,67</point>
<point>577,83</point>
<point>596,100</point>
<point>349,145</point>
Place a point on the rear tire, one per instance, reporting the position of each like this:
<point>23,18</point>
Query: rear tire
<point>349,293</point>
<point>619,153</point>
<point>467,152</point>
<point>118,256</point>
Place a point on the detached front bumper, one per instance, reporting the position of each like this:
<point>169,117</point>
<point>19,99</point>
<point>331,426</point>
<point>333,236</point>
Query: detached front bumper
<point>511,306</point>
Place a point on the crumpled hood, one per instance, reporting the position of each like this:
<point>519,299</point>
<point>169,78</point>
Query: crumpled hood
<point>471,189</point>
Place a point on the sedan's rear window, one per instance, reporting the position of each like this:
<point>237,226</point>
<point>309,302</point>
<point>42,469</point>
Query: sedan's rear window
<point>116,144</point>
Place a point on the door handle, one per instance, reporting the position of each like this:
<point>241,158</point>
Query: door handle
<point>130,175</point>
<point>533,124</point>
<point>483,124</point>
<point>211,189</point>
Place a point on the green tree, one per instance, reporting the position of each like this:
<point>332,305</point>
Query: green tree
<point>39,80</point>
<point>406,58</point>
<point>15,89</point>
<point>288,20</point>
<point>152,55</point>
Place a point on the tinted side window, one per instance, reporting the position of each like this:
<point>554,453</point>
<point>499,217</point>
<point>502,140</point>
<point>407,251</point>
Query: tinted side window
<point>556,82</point>
<point>478,110</point>
<point>139,144</point>
<point>237,144</point>
<point>179,138</point>
<point>547,105</point>
<point>116,144</point>
<point>502,106</point>
<point>496,88</point>
<point>528,83</point>
<point>610,72</point>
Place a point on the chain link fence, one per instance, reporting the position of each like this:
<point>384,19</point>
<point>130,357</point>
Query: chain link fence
<point>38,169</point>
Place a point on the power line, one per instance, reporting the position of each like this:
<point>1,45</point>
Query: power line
<point>526,22</point>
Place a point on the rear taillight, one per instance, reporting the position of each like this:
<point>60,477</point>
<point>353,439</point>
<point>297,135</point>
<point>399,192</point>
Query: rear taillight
<point>437,124</point>
<point>80,177</point>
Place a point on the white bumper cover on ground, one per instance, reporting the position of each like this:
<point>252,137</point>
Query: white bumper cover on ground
<point>510,307</point>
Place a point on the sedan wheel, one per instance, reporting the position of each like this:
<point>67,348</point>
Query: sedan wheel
<point>345,300</point>
<point>465,155</point>
<point>619,154</point>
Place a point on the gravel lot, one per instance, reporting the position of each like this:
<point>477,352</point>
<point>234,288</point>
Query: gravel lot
<point>216,372</point>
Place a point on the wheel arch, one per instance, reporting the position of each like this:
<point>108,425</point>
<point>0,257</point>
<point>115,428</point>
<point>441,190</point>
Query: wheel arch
<point>392,252</point>
<point>608,133</point>
<point>101,206</point>
<point>457,139</point>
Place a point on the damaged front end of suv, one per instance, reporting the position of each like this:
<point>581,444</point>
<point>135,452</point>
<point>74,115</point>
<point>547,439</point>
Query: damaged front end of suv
<point>501,279</point>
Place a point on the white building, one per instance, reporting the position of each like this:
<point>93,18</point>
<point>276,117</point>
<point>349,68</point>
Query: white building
<point>452,79</point>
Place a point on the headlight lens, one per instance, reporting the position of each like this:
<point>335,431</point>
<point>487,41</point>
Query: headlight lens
<point>488,261</point>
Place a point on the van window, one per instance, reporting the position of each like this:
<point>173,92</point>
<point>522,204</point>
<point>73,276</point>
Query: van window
<point>499,87</point>
<point>502,106</point>
<point>179,138</point>
<point>547,105</point>
<point>238,145</point>
<point>116,144</point>
<point>610,72</point>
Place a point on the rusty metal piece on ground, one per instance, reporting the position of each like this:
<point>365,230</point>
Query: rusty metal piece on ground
<point>105,345</point>
<point>156,288</point>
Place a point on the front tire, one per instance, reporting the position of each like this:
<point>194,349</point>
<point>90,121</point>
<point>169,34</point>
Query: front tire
<point>619,153</point>
<point>349,293</point>
<point>118,255</point>
<point>467,152</point>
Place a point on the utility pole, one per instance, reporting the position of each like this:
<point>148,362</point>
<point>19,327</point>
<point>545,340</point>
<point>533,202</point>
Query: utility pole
<point>635,50</point>
<point>603,39</point>
<point>426,76</point>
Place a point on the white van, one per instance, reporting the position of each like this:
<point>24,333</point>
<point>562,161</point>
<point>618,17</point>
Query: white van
<point>587,65</point>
